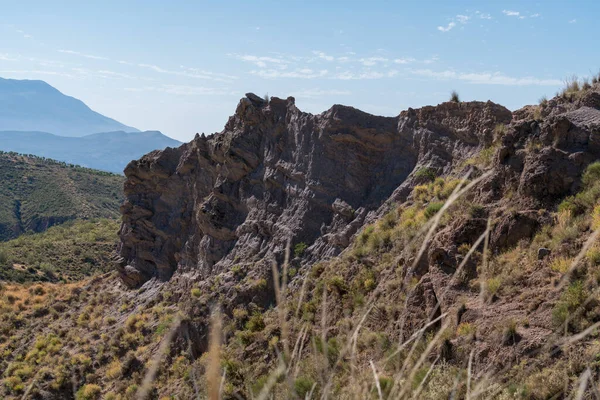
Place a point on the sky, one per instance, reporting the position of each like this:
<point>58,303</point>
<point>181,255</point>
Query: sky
<point>181,66</point>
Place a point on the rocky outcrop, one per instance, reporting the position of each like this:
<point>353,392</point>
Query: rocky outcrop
<point>276,176</point>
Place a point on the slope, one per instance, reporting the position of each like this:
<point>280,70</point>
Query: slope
<point>36,193</point>
<point>67,252</point>
<point>476,276</point>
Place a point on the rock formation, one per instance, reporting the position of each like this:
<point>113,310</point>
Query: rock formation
<point>276,175</point>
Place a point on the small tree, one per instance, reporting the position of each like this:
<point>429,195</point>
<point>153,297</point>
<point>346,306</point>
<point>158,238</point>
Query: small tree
<point>454,97</point>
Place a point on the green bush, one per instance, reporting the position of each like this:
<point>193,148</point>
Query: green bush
<point>569,303</point>
<point>88,392</point>
<point>256,323</point>
<point>591,175</point>
<point>433,209</point>
<point>303,386</point>
<point>426,174</point>
<point>299,249</point>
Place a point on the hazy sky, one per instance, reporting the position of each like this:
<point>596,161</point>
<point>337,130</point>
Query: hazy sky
<point>181,68</point>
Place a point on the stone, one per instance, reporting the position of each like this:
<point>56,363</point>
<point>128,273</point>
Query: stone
<point>543,253</point>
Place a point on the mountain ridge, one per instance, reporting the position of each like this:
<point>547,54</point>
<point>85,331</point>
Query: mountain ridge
<point>35,105</point>
<point>108,151</point>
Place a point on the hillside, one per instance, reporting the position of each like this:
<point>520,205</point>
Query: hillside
<point>27,105</point>
<point>449,252</point>
<point>109,151</point>
<point>67,252</point>
<point>37,193</point>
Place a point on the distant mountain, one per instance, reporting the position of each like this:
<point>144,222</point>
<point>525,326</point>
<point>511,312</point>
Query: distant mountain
<point>110,151</point>
<point>29,105</point>
<point>38,193</point>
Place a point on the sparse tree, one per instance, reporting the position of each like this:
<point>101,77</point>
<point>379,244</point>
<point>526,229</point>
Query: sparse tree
<point>454,97</point>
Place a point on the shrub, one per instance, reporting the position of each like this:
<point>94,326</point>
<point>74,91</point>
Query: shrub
<point>299,249</point>
<point>256,323</point>
<point>466,329</point>
<point>509,334</point>
<point>369,284</point>
<point>571,86</point>
<point>593,255</point>
<point>303,386</point>
<point>560,264</point>
<point>14,384</point>
<point>260,284</point>
<point>591,174</point>
<point>196,292</point>
<point>569,303</point>
<point>454,97</point>
<point>426,174</point>
<point>499,131</point>
<point>433,209</point>
<point>88,392</point>
<point>338,283</point>
<point>493,285</point>
<point>114,369</point>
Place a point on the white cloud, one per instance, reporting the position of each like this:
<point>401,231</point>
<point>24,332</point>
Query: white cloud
<point>431,60</point>
<point>7,57</point>
<point>202,72</point>
<point>323,56</point>
<point>304,73</point>
<point>485,16</point>
<point>262,62</point>
<point>406,60</point>
<point>371,61</point>
<point>462,18</point>
<point>446,28</point>
<point>534,15</point>
<point>114,74</point>
<point>190,73</point>
<point>154,68</point>
<point>183,90</point>
<point>350,75</point>
<point>25,34</point>
<point>486,78</point>
<point>32,73</point>
<point>573,21</point>
<point>76,53</point>
<point>313,93</point>
<point>510,13</point>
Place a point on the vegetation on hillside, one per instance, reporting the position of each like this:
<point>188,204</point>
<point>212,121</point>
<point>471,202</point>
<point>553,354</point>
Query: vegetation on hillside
<point>36,193</point>
<point>68,252</point>
<point>507,322</point>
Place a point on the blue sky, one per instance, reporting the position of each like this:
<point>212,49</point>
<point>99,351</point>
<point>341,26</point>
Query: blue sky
<point>181,68</point>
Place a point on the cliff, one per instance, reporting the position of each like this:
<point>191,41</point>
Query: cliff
<point>276,175</point>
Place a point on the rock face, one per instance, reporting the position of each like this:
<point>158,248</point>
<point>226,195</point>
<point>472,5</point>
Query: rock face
<point>276,175</point>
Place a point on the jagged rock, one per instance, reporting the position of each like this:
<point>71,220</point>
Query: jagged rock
<point>276,175</point>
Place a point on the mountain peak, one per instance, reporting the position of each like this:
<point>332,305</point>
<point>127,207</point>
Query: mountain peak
<point>35,105</point>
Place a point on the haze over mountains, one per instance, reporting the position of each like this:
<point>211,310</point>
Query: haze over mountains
<point>36,118</point>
